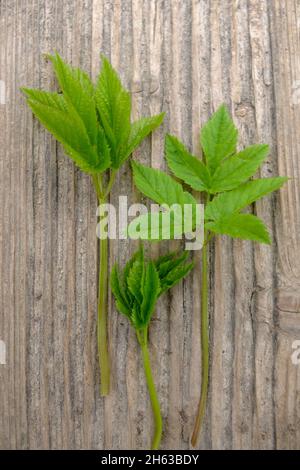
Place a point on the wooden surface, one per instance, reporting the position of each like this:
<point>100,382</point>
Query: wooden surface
<point>185,58</point>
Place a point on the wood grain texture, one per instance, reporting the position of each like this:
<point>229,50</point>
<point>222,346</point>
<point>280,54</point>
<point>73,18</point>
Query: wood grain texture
<point>184,58</point>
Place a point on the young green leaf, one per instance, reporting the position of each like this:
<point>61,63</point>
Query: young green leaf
<point>139,130</point>
<point>185,166</point>
<point>233,201</point>
<point>150,292</point>
<point>78,92</point>
<point>172,269</point>
<point>218,137</point>
<point>165,263</point>
<point>222,176</point>
<point>117,287</point>
<point>114,108</point>
<point>134,280</point>
<point>49,99</point>
<point>239,168</point>
<point>53,112</point>
<point>159,186</point>
<point>155,226</point>
<point>244,226</point>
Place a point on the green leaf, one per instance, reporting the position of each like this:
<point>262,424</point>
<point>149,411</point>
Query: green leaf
<point>172,270</point>
<point>137,289</point>
<point>218,137</point>
<point>237,169</point>
<point>159,186</point>
<point>150,292</point>
<point>157,226</point>
<point>245,226</point>
<point>134,280</point>
<point>119,292</point>
<point>136,319</point>
<point>49,99</point>
<point>185,166</point>
<point>68,128</point>
<point>175,276</point>
<point>139,130</point>
<point>78,92</point>
<point>164,190</point>
<point>166,263</point>
<point>114,107</point>
<point>233,201</point>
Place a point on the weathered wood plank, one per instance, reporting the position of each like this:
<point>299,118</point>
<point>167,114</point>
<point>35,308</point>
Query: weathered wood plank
<point>184,58</point>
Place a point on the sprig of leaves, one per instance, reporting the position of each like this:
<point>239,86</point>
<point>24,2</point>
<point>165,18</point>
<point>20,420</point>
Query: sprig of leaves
<point>93,124</point>
<point>223,178</point>
<point>136,289</point>
<point>222,175</point>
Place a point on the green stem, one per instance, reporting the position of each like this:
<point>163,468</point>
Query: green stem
<point>104,362</point>
<point>142,338</point>
<point>102,318</point>
<point>204,343</point>
<point>98,187</point>
<point>110,182</point>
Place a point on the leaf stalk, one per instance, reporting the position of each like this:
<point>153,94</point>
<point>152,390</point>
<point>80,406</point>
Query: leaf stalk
<point>204,342</point>
<point>102,340</point>
<point>142,336</point>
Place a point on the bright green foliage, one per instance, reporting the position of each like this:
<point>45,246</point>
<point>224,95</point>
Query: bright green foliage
<point>230,202</point>
<point>171,269</point>
<point>91,122</point>
<point>245,226</point>
<point>136,289</point>
<point>164,190</point>
<point>156,226</point>
<point>159,186</point>
<point>140,284</point>
<point>139,130</point>
<point>185,166</point>
<point>239,168</point>
<point>56,114</point>
<point>223,175</point>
